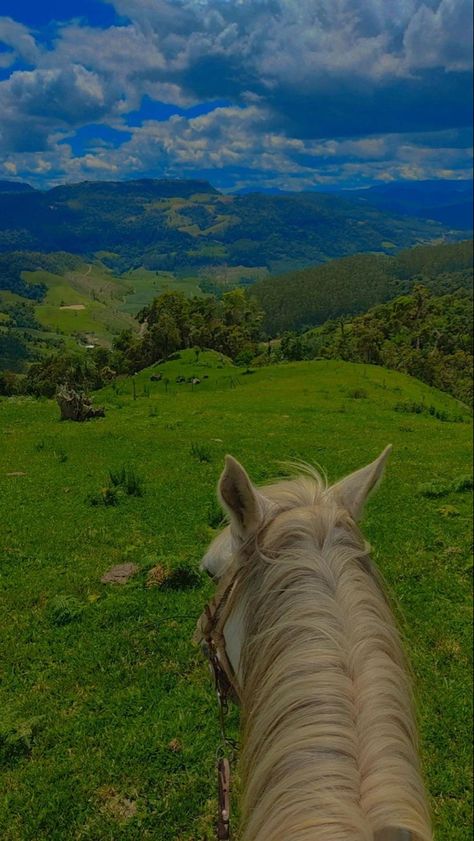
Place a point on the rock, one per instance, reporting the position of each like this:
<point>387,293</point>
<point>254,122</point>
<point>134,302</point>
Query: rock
<point>119,574</point>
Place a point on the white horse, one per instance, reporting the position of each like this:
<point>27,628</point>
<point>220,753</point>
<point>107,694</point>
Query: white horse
<point>302,627</point>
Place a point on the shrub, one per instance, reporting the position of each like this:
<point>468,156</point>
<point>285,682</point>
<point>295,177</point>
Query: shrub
<point>410,408</point>
<point>357,394</point>
<point>182,577</point>
<point>464,484</point>
<point>64,609</point>
<point>433,490</point>
<point>127,479</point>
<point>201,452</point>
<point>16,738</point>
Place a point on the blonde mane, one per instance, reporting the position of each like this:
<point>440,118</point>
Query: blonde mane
<point>329,740</point>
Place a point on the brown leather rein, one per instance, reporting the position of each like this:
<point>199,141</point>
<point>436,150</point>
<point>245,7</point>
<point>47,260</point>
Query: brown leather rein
<point>210,631</point>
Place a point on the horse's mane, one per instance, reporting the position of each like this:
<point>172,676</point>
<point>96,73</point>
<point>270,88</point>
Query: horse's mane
<point>329,736</point>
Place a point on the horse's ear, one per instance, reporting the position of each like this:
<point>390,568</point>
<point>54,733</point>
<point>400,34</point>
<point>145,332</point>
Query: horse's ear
<point>352,492</point>
<point>240,498</point>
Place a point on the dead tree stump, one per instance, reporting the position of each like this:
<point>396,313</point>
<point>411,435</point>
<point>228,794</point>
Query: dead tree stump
<point>76,406</point>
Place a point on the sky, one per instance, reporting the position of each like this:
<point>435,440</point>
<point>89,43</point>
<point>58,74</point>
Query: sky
<point>249,94</point>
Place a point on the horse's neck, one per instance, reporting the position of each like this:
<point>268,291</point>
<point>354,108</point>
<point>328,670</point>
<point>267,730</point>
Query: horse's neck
<point>326,666</point>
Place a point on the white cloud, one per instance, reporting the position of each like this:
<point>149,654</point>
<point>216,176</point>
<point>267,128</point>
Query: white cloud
<point>20,41</point>
<point>440,37</point>
<point>310,82</point>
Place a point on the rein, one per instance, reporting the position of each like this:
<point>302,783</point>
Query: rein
<point>210,631</point>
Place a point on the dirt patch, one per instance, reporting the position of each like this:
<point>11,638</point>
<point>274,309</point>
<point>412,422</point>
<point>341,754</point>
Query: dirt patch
<point>115,805</point>
<point>119,574</point>
<point>73,307</point>
<point>156,576</point>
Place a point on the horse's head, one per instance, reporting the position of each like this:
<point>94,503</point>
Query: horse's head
<point>302,632</point>
<point>269,518</point>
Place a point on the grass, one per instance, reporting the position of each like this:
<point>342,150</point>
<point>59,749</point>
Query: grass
<point>146,285</point>
<point>96,291</point>
<point>108,720</point>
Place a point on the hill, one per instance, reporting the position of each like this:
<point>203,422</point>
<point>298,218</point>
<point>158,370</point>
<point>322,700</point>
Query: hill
<point>449,202</point>
<point>109,724</point>
<point>15,187</point>
<point>428,336</point>
<point>186,225</point>
<point>50,302</point>
<point>309,297</point>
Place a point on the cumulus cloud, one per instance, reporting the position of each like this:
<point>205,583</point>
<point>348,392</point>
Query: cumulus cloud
<point>311,84</point>
<point>238,147</point>
<point>19,41</point>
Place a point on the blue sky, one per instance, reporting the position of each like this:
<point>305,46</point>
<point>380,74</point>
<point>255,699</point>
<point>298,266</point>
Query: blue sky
<point>287,94</point>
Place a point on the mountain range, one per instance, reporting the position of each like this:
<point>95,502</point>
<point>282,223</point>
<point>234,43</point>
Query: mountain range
<point>448,202</point>
<point>182,225</point>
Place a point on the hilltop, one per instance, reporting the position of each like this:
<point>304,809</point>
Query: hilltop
<point>15,187</point>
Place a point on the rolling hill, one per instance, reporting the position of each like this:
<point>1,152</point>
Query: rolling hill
<point>49,301</point>
<point>109,724</point>
<point>310,297</point>
<point>448,202</point>
<point>185,225</point>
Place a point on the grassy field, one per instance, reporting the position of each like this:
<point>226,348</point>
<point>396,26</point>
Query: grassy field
<point>146,285</point>
<point>87,302</point>
<point>108,722</point>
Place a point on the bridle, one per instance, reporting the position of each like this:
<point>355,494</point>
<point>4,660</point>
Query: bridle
<point>210,634</point>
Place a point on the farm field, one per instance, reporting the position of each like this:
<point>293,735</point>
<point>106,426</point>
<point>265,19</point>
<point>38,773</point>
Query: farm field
<point>144,285</point>
<point>85,302</point>
<point>108,722</point>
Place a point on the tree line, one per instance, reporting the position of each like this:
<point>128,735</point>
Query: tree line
<point>427,336</point>
<point>230,325</point>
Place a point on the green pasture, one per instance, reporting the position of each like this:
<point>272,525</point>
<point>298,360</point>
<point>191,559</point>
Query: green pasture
<point>147,285</point>
<point>85,303</point>
<point>108,721</point>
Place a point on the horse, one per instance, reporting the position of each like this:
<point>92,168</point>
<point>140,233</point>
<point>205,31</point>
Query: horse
<point>304,632</point>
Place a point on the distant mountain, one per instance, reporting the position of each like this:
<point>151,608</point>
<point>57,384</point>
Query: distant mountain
<point>183,226</point>
<point>140,188</point>
<point>15,187</point>
<point>448,202</point>
<point>302,299</point>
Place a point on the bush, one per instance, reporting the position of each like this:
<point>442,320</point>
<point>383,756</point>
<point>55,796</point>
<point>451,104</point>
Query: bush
<point>464,484</point>
<point>182,577</point>
<point>433,490</point>
<point>127,479</point>
<point>414,408</point>
<point>16,738</point>
<point>201,452</point>
<point>357,394</point>
<point>64,609</point>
